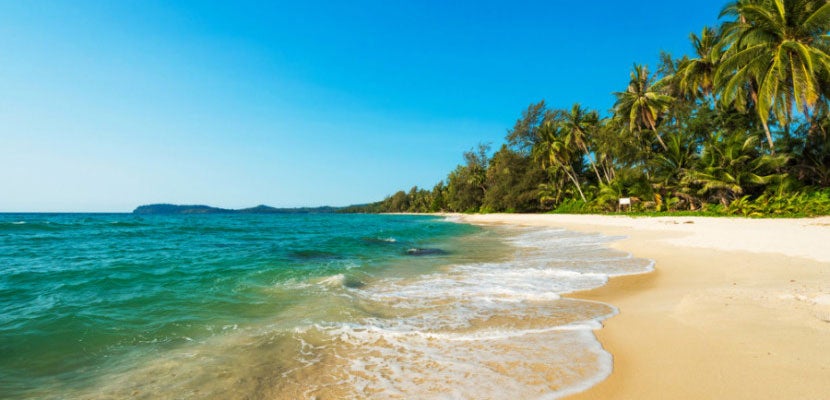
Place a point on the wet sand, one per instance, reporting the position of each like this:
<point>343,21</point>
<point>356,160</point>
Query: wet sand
<point>735,309</point>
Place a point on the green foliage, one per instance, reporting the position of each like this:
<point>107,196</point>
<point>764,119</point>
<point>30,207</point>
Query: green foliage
<point>776,52</point>
<point>573,206</point>
<point>799,204</point>
<point>525,133</point>
<point>512,182</point>
<point>642,105</point>
<point>731,165</point>
<point>699,137</point>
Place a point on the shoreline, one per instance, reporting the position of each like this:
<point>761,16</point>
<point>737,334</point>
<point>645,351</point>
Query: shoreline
<point>735,308</point>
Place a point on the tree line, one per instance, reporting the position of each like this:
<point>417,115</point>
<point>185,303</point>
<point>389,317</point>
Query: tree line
<point>738,127</point>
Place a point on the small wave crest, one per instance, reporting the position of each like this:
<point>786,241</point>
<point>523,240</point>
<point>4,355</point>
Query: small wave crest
<point>380,240</point>
<point>372,362</point>
<point>30,226</point>
<point>498,329</point>
<point>341,281</point>
<point>495,329</point>
<point>333,281</point>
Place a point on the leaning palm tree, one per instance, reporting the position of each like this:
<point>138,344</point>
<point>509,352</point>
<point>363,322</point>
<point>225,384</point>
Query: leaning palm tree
<point>641,104</point>
<point>578,124</point>
<point>556,153</point>
<point>776,53</point>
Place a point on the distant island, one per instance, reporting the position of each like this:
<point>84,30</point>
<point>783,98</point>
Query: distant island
<point>166,209</point>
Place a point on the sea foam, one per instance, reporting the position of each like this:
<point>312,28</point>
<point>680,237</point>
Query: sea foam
<point>479,330</point>
<point>483,328</point>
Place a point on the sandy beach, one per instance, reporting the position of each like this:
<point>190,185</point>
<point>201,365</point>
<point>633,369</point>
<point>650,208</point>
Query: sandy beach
<point>735,309</point>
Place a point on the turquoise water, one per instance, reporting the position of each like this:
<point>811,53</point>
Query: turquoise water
<point>110,306</point>
<point>78,291</point>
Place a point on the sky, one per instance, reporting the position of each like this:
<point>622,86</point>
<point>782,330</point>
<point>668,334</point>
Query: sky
<point>107,105</point>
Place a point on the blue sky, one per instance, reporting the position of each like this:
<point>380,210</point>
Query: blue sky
<point>106,105</point>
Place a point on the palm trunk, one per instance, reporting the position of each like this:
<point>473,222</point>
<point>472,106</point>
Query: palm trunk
<point>657,135</point>
<point>593,165</point>
<point>769,136</point>
<point>789,119</point>
<point>811,117</point>
<point>610,173</point>
<point>576,183</point>
<point>584,147</point>
<point>763,119</point>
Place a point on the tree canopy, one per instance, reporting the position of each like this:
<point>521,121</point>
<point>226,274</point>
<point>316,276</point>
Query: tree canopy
<point>738,127</point>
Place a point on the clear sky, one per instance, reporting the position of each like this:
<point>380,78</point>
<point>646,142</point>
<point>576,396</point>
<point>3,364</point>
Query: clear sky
<point>107,105</point>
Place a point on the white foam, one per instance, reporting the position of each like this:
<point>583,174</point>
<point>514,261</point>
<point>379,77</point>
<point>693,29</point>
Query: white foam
<point>333,281</point>
<point>487,330</point>
<point>452,218</point>
<point>477,330</point>
<point>527,364</point>
<point>293,284</point>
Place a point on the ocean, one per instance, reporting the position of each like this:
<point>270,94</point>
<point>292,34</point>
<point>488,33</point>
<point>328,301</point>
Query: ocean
<point>316,306</point>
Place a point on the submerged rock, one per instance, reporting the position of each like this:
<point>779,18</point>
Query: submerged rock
<point>424,252</point>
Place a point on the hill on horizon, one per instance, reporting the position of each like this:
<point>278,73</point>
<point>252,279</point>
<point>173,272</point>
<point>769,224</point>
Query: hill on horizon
<point>165,208</point>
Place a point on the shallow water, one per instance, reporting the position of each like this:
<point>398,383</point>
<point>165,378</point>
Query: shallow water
<point>297,306</point>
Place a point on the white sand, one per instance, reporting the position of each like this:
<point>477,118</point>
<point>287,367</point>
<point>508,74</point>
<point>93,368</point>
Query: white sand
<point>736,308</point>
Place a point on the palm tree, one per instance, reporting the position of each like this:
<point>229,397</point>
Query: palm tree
<point>477,164</point>
<point>577,125</point>
<point>672,168</point>
<point>697,75</point>
<point>776,51</point>
<point>670,70</point>
<point>641,104</point>
<point>556,153</point>
<point>629,182</point>
<point>730,164</point>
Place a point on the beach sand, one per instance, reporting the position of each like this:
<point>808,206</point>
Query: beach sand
<point>735,309</point>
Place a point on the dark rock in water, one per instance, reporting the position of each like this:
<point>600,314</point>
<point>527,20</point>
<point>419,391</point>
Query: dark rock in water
<point>353,283</point>
<point>314,255</point>
<point>425,252</point>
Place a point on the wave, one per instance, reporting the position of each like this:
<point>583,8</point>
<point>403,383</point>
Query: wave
<point>380,363</point>
<point>476,330</point>
<point>380,240</point>
<point>472,328</point>
<point>338,280</point>
<point>129,224</point>
<point>17,226</point>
